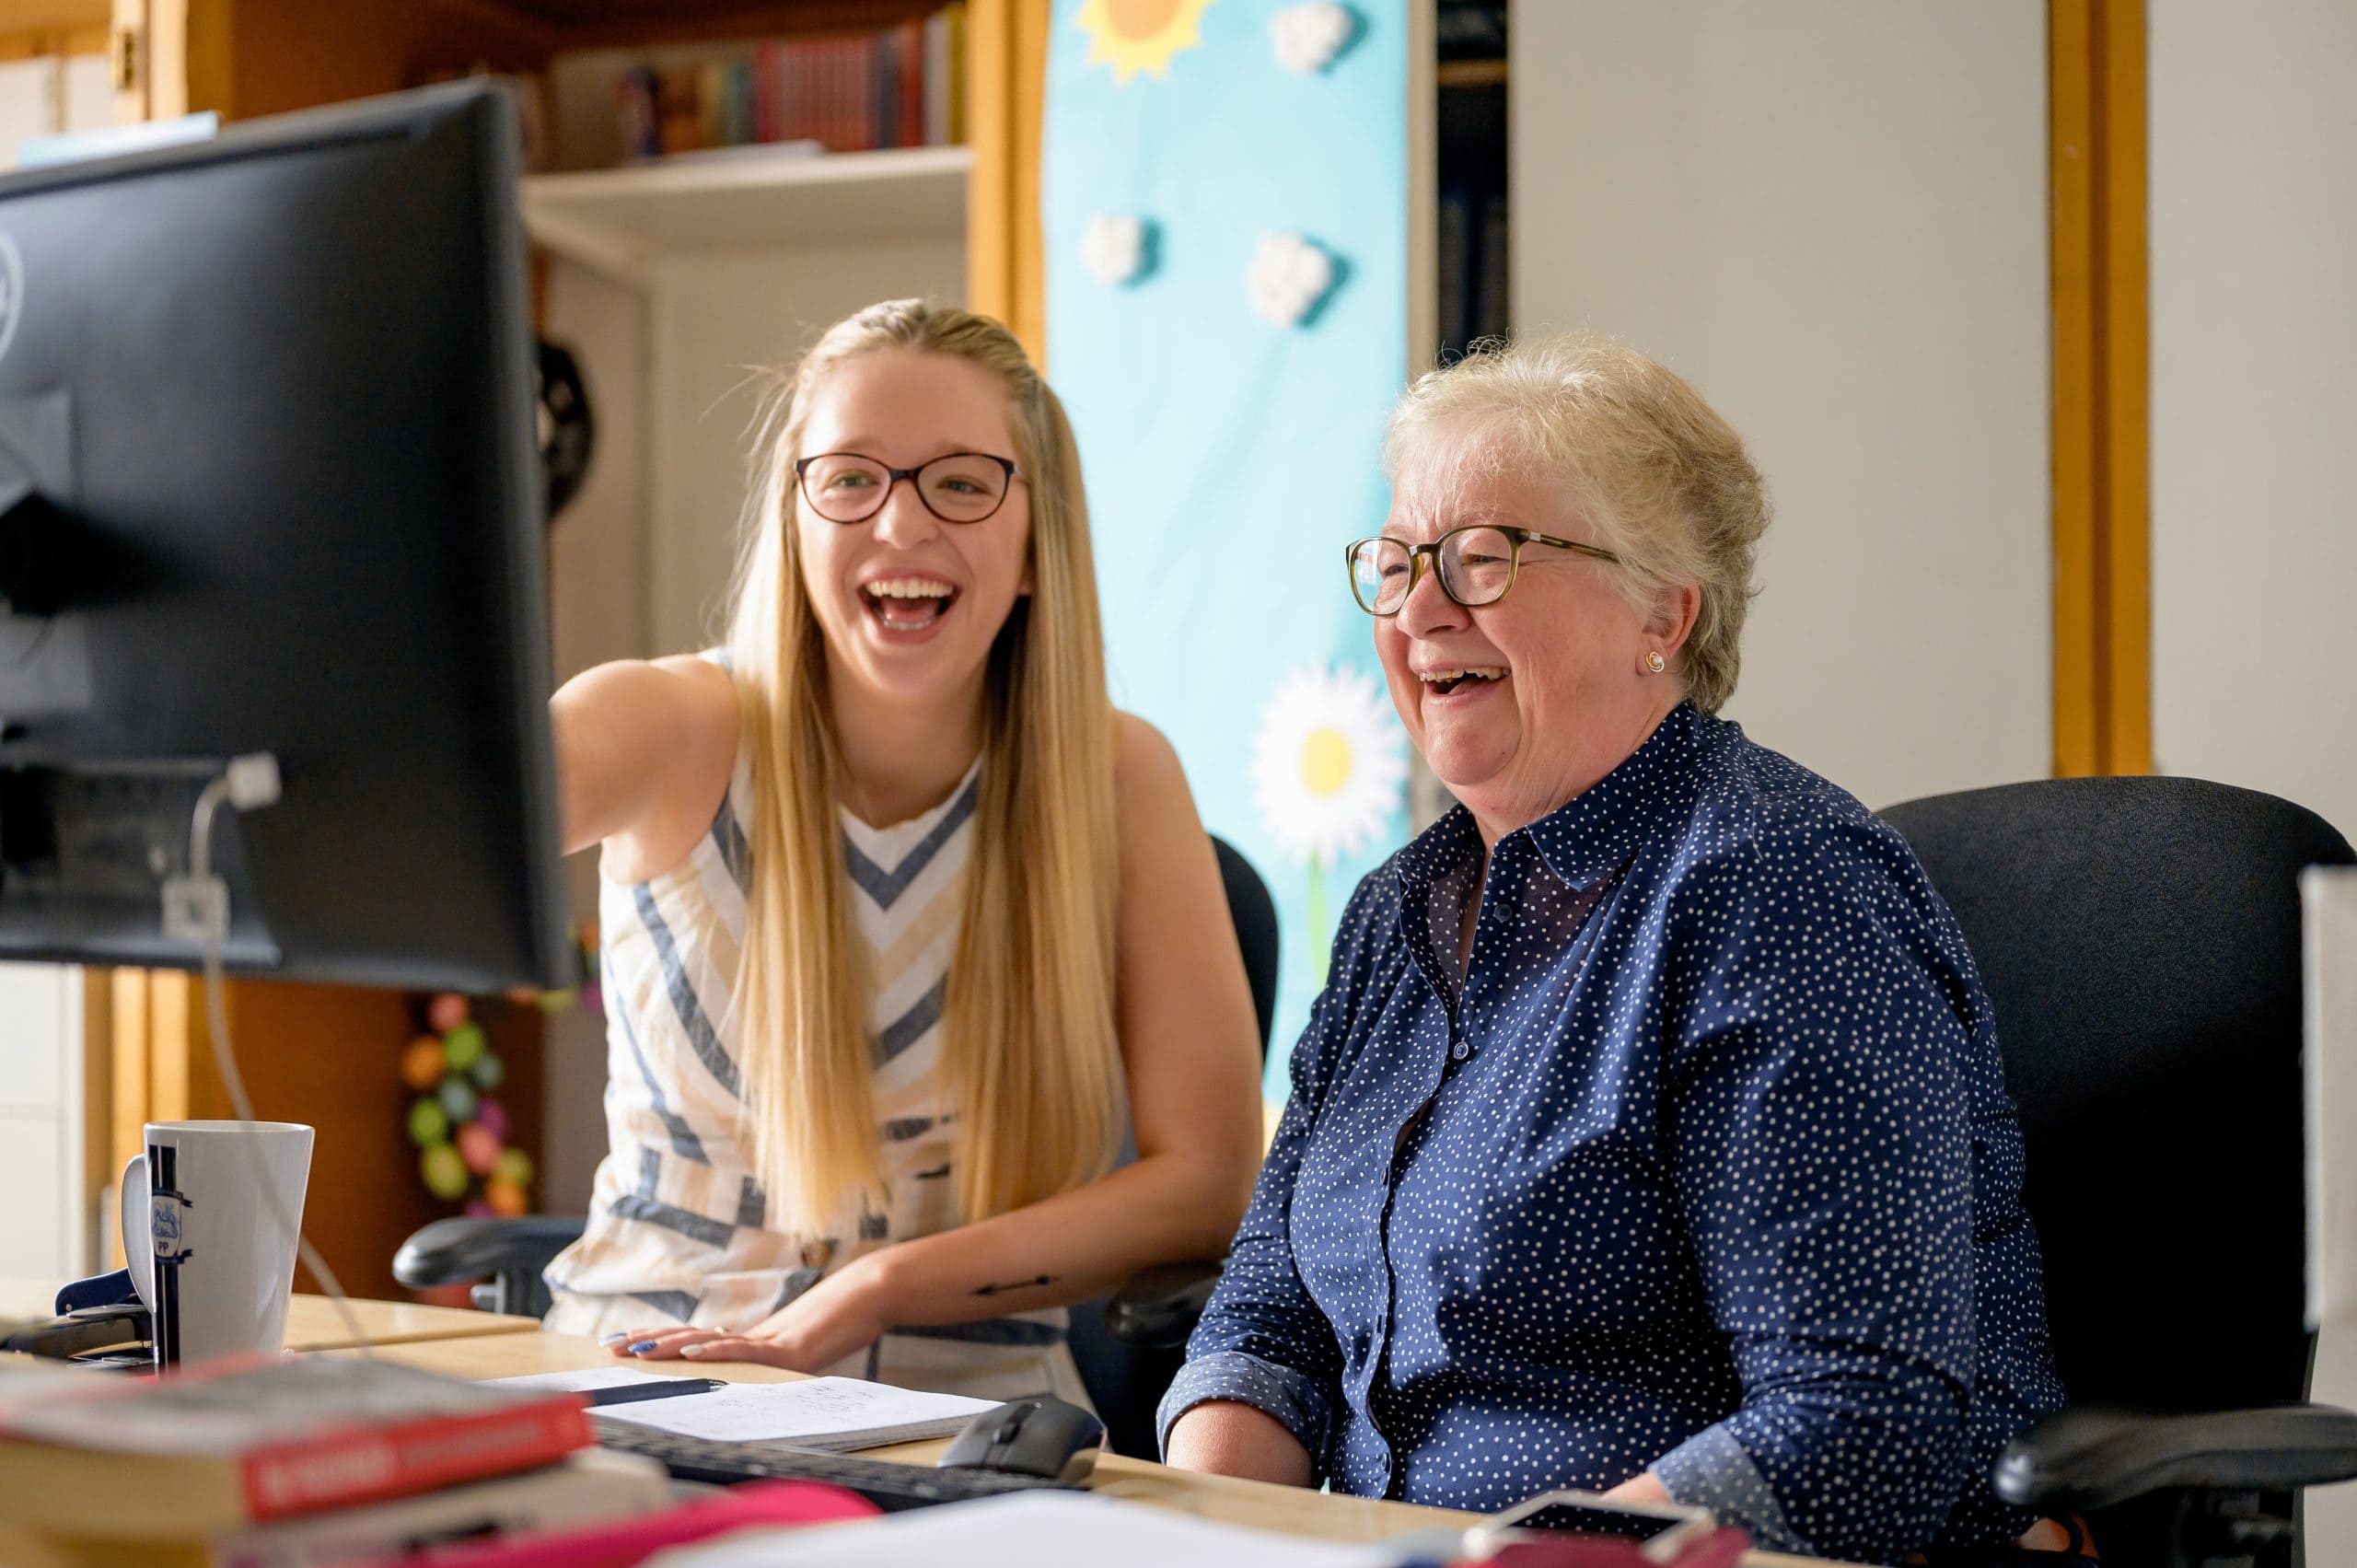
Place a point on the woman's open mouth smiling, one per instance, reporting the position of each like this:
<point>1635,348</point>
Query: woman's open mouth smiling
<point>907,603</point>
<point>1464,677</point>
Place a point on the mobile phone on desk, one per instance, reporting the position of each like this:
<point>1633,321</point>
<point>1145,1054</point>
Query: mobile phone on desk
<point>1664,1532</point>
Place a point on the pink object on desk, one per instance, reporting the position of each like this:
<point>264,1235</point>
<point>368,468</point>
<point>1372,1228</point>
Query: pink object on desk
<point>618,1544</point>
<point>1721,1548</point>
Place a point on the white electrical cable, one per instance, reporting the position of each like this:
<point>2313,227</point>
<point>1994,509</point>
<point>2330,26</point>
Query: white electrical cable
<point>249,782</point>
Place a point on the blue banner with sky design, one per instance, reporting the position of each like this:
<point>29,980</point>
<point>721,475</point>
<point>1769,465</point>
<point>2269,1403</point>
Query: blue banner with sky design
<point>1226,212</point>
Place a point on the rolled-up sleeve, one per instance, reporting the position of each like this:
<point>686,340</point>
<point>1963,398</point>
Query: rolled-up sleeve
<point>1822,1159</point>
<point>1262,1341</point>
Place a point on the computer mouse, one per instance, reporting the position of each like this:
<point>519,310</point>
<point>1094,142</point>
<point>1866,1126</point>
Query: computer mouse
<point>1044,1437</point>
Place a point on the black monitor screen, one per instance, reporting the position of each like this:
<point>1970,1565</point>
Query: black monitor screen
<point>268,474</point>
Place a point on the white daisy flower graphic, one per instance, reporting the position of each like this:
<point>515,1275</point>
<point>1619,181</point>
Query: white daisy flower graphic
<point>1330,769</point>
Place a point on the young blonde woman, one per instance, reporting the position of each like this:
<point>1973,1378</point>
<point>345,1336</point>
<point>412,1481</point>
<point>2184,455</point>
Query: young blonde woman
<point>904,925</point>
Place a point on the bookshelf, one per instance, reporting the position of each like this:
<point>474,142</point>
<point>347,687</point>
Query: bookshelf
<point>621,221</point>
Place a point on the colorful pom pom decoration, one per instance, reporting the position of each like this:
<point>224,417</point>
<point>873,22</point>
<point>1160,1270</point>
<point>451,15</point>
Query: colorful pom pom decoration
<point>458,1126</point>
<point>477,1147</point>
<point>458,1098</point>
<point>505,1198</point>
<point>463,1047</point>
<point>428,1123</point>
<point>422,1063</point>
<point>445,1172</point>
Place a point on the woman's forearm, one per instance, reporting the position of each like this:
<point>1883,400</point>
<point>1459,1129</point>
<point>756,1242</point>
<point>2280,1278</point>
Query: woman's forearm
<point>1163,1208</point>
<point>1223,1437</point>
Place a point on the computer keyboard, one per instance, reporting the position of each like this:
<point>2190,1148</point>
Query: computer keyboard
<point>890,1486</point>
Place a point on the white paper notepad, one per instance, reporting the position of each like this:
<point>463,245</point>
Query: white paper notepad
<point>831,1414</point>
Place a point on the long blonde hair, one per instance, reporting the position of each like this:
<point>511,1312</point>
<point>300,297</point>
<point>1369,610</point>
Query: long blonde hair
<point>1027,1029</point>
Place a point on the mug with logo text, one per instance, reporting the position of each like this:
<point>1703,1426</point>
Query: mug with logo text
<point>211,1256</point>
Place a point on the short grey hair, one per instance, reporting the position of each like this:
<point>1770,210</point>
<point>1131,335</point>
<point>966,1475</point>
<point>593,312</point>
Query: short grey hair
<point>1661,480</point>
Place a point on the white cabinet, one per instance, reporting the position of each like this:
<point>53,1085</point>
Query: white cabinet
<point>44,1228</point>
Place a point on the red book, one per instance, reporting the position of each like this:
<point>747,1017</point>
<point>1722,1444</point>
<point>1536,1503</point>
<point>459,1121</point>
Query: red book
<point>769,92</point>
<point>843,60</point>
<point>908,40</point>
<point>246,1441</point>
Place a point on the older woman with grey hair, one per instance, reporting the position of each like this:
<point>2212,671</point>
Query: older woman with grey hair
<point>1649,1136</point>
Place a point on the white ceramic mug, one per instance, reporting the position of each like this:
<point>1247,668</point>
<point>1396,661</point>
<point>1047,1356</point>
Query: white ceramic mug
<point>210,1257</point>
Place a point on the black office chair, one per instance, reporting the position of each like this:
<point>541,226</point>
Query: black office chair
<point>2140,941</point>
<point>1128,1346</point>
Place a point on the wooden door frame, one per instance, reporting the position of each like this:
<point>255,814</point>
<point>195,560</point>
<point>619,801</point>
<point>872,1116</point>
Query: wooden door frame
<point>2103,615</point>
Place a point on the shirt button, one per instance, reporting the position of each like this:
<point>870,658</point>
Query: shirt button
<point>1460,1050</point>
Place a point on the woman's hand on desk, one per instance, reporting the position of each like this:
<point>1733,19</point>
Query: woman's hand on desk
<point>840,1314</point>
<point>1224,1438</point>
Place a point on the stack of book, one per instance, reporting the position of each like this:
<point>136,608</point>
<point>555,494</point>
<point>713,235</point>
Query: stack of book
<point>904,87</point>
<point>297,1463</point>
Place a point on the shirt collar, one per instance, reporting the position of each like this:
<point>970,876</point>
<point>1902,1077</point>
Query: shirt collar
<point>1594,832</point>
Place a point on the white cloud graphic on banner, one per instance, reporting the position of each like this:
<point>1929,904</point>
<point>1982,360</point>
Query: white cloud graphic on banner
<point>1306,37</point>
<point>1287,278</point>
<point>1112,248</point>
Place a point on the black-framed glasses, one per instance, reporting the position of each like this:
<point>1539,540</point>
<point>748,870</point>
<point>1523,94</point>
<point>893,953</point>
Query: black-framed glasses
<point>1476,564</point>
<point>957,487</point>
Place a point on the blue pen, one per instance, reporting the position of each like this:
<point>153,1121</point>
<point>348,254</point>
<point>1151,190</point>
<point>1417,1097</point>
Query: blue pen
<point>630,1392</point>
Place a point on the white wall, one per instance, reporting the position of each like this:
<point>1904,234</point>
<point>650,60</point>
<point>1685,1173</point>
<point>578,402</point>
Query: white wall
<point>1831,217</point>
<point>49,1234</point>
<point>598,604</point>
<point>2253,148</point>
<point>717,319</point>
<point>2254,313</point>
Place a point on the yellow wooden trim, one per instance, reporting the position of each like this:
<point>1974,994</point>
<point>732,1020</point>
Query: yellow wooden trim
<point>128,1046</point>
<point>127,47</point>
<point>2070,161</point>
<point>32,45</point>
<point>2127,369</point>
<point>1007,53</point>
<point>51,15</point>
<point>1470,74</point>
<point>176,1041</point>
<point>2101,379</point>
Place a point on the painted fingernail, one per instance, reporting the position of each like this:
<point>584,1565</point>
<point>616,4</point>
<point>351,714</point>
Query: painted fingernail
<point>692,1350</point>
<point>613,1339</point>
<point>642,1347</point>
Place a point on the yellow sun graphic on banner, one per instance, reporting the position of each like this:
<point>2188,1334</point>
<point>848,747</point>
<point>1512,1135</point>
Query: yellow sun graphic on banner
<point>1140,35</point>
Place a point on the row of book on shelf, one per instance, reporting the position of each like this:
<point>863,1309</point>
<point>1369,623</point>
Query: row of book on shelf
<point>900,86</point>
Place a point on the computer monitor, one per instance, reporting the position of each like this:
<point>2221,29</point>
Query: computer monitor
<point>268,483</point>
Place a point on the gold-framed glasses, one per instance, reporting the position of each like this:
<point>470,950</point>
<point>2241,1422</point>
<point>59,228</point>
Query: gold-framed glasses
<point>957,487</point>
<point>1476,564</point>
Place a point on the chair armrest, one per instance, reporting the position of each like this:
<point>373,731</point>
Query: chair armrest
<point>2091,1459</point>
<point>1156,1308</point>
<point>453,1251</point>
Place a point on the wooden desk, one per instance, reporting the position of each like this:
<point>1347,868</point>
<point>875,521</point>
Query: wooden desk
<point>313,1323</point>
<point>1288,1509</point>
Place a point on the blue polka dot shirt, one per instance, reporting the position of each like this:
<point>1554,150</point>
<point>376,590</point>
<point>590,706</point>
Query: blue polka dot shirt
<point>1704,1166</point>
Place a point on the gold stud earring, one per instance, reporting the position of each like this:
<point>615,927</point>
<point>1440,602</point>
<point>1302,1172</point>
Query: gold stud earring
<point>1654,663</point>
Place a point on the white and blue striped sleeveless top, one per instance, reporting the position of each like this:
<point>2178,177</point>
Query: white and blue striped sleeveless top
<point>677,1228</point>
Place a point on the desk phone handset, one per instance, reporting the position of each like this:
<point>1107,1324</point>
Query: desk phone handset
<point>102,1315</point>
